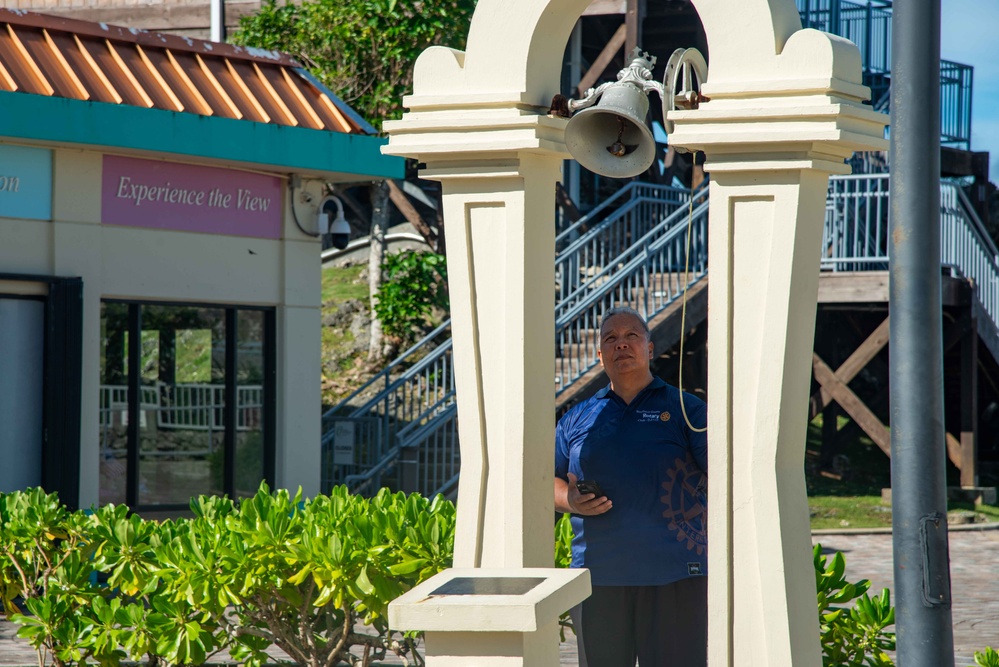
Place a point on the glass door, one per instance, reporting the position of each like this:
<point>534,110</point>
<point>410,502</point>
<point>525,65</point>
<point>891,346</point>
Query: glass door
<point>186,402</point>
<point>22,372</point>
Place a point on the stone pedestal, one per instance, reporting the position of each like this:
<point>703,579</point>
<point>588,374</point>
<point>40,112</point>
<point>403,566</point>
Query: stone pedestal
<point>491,617</point>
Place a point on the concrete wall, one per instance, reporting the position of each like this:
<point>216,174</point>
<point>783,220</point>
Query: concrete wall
<point>152,264</point>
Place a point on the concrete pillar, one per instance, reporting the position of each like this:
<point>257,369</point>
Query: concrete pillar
<point>501,250</point>
<point>771,142</point>
<point>478,122</point>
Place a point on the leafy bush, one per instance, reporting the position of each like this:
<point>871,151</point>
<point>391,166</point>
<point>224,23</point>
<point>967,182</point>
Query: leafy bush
<point>563,542</point>
<point>277,570</point>
<point>415,283</point>
<point>986,658</point>
<point>273,570</point>
<point>851,636</point>
<point>46,570</point>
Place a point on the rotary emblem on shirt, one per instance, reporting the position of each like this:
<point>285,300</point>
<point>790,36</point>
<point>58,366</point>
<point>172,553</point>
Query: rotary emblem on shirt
<point>664,417</point>
<point>648,415</point>
<point>684,500</point>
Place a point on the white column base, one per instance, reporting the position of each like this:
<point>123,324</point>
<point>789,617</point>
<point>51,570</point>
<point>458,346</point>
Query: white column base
<point>478,617</point>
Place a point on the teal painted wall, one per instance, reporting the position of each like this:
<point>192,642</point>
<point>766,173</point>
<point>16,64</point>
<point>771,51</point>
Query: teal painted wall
<point>25,182</point>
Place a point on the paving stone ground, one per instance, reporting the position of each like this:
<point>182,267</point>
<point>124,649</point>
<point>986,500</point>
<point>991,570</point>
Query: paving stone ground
<point>974,582</point>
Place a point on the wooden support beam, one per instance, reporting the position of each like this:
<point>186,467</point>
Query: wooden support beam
<point>959,330</point>
<point>411,214</point>
<point>851,404</point>
<point>969,404</point>
<point>853,365</point>
<point>953,450</point>
<point>833,388</point>
<point>603,60</point>
<point>853,287</point>
<point>633,16</point>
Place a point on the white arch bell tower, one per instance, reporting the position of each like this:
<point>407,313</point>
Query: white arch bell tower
<point>783,111</point>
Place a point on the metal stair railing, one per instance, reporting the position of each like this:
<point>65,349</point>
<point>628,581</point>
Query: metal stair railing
<point>650,279</point>
<point>574,266</point>
<point>385,376</point>
<point>610,267</point>
<point>406,398</point>
<point>855,236</point>
<point>436,465</point>
<point>413,386</point>
<point>633,190</point>
<point>868,25</point>
<point>647,277</point>
<point>955,104</point>
<point>966,245</point>
<point>603,244</point>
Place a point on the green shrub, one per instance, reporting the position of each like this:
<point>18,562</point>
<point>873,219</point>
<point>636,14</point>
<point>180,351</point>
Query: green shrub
<point>986,658</point>
<point>277,570</point>
<point>272,570</point>
<point>47,565</point>
<point>414,284</point>
<point>852,636</point>
<point>298,574</point>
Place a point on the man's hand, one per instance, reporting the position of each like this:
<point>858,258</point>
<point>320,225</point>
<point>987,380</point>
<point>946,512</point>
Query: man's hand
<point>569,499</point>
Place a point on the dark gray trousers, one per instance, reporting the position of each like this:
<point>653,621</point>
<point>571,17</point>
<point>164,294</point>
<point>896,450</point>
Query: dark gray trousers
<point>660,626</point>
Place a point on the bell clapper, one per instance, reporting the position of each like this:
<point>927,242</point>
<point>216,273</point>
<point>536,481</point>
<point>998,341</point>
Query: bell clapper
<point>617,148</point>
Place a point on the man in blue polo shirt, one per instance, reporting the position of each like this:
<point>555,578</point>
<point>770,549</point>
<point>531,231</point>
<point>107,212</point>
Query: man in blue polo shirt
<point>643,535</point>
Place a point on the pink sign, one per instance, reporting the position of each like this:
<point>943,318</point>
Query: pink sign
<point>189,198</point>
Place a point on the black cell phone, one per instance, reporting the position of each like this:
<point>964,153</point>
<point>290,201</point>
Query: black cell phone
<point>589,486</point>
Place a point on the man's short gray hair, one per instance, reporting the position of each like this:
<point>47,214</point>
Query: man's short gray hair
<point>626,310</point>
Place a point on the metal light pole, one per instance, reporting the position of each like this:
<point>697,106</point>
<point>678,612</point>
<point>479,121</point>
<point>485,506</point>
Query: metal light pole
<point>919,492</point>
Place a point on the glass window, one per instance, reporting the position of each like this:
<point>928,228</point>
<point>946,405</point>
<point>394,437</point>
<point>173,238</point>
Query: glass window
<point>113,420</point>
<point>199,402</point>
<point>182,424</point>
<point>250,401</point>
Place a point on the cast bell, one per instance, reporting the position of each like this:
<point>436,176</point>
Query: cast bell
<point>612,138</point>
<point>608,134</point>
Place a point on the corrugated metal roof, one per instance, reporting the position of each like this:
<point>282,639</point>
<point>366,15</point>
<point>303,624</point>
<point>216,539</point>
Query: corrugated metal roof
<point>57,57</point>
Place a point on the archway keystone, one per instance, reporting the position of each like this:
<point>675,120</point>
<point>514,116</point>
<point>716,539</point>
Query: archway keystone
<point>784,111</point>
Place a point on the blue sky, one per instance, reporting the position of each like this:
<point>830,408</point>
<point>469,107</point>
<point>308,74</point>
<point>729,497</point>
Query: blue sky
<point>969,34</point>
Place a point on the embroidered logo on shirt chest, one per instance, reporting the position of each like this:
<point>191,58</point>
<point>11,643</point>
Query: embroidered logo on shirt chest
<point>645,416</point>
